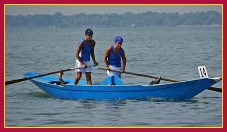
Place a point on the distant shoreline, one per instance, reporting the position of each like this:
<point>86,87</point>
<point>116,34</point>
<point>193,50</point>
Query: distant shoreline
<point>147,19</point>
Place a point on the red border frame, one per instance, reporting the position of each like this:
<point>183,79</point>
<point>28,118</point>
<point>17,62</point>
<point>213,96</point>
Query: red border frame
<point>113,2</point>
<point>98,2</point>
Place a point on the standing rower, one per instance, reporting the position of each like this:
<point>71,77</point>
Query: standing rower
<point>113,56</point>
<point>84,51</point>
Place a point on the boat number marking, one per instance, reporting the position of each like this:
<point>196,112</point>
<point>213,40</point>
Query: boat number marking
<point>202,72</point>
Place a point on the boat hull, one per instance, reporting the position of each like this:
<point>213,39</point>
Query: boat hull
<point>179,91</point>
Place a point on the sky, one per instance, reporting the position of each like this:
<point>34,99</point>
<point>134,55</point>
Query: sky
<point>107,9</point>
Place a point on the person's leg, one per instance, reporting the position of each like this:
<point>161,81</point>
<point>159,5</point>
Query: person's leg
<point>88,77</point>
<point>77,77</point>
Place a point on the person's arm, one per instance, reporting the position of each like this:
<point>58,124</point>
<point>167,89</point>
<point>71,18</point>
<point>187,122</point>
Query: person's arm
<point>93,55</point>
<point>80,45</point>
<point>105,58</point>
<point>123,62</point>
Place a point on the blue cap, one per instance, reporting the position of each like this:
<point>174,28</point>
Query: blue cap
<point>88,32</point>
<point>119,39</point>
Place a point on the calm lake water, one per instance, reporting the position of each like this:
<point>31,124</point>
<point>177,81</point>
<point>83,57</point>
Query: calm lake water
<point>172,52</point>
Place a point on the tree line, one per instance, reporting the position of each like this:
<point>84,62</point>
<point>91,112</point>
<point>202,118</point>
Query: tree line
<point>115,20</point>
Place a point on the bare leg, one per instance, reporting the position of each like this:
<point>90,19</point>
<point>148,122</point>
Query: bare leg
<point>77,77</point>
<point>88,77</point>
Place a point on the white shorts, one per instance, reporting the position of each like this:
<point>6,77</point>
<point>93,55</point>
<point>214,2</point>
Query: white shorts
<point>111,73</point>
<point>83,70</point>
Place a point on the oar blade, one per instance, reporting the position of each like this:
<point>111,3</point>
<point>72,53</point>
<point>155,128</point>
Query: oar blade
<point>215,89</point>
<point>16,81</point>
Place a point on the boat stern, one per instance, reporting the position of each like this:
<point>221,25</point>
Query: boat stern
<point>216,79</point>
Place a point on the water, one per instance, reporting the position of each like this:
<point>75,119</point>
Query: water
<point>173,52</point>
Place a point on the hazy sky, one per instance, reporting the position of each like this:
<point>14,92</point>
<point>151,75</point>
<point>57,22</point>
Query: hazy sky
<point>77,9</point>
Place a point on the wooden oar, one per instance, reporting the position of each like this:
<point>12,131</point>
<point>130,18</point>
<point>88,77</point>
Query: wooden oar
<point>24,79</point>
<point>162,78</point>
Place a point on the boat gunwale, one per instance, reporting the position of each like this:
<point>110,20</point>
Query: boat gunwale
<point>182,81</point>
<point>111,88</point>
<point>38,80</point>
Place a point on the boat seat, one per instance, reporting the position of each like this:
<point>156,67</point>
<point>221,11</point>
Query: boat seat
<point>112,80</point>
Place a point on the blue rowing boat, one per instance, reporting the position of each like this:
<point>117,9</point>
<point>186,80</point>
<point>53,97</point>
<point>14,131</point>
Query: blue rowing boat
<point>113,88</point>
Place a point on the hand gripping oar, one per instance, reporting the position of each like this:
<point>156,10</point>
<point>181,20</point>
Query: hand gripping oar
<point>162,78</point>
<point>24,79</point>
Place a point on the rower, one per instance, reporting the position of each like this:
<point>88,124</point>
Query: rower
<point>113,56</point>
<point>84,52</point>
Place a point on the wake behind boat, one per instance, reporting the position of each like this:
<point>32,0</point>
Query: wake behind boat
<point>113,88</point>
